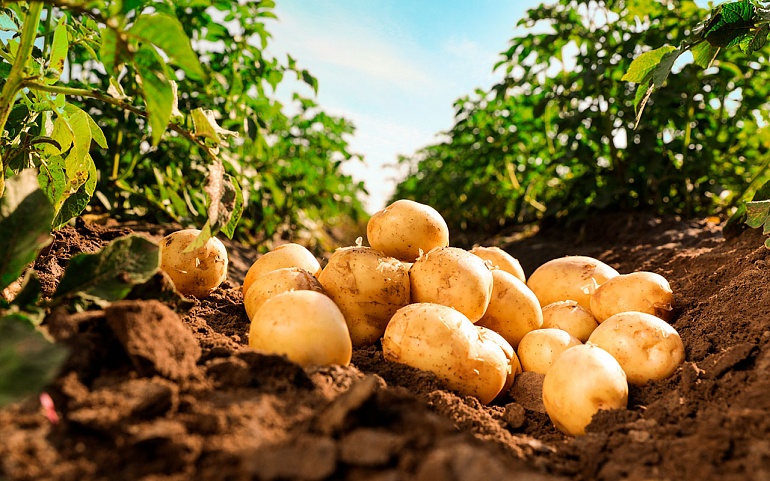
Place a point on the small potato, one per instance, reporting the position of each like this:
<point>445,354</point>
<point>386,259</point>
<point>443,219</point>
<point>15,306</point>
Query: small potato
<point>305,326</point>
<point>514,366</point>
<point>405,229</point>
<point>195,273</point>
<point>639,291</point>
<point>582,381</point>
<point>571,317</point>
<point>513,308</point>
<point>539,349</point>
<point>441,340</point>
<point>276,282</point>
<point>647,347</point>
<point>571,278</point>
<point>285,255</point>
<point>452,277</point>
<point>501,260</point>
<point>369,287</point>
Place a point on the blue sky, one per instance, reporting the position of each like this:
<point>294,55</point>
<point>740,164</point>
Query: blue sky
<point>394,67</point>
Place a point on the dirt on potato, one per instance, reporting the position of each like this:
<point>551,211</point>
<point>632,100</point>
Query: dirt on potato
<point>157,390</point>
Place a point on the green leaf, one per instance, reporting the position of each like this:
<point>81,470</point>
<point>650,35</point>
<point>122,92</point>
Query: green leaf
<point>158,93</point>
<point>59,49</point>
<point>661,71</point>
<point>61,133</point>
<point>28,362</point>
<point>77,120</point>
<point>53,180</point>
<point>25,221</point>
<point>206,126</point>
<point>110,275</point>
<point>72,206</point>
<point>228,229</point>
<point>108,52</point>
<point>96,133</point>
<point>30,293</point>
<point>704,54</point>
<point>643,66</point>
<point>758,214</point>
<point>758,39</point>
<point>729,23</point>
<point>166,33</point>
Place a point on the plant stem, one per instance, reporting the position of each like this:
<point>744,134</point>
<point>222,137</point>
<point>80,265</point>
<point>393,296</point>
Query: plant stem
<point>75,92</point>
<point>16,77</point>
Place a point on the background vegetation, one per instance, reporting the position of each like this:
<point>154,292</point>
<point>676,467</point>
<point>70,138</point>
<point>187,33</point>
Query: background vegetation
<point>555,138</point>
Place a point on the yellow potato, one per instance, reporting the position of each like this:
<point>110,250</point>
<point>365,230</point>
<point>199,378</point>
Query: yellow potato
<point>513,308</point>
<point>571,317</point>
<point>305,326</point>
<point>514,366</point>
<point>441,340</point>
<point>582,381</point>
<point>285,255</point>
<point>195,273</point>
<point>278,281</point>
<point>647,347</point>
<point>452,277</point>
<point>538,349</point>
<point>571,278</point>
<point>500,259</point>
<point>369,287</point>
<point>639,291</point>
<point>405,229</point>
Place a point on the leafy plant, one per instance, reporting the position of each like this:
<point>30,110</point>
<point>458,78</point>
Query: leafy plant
<point>162,109</point>
<point>557,136</point>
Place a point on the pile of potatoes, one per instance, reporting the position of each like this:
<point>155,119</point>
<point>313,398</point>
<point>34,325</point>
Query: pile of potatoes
<point>471,317</point>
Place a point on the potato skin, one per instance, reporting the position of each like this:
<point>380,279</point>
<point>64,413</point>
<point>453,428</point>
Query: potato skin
<point>305,326</point>
<point>513,308</point>
<point>369,287</point>
<point>276,282</point>
<point>285,255</point>
<point>195,273</point>
<point>514,366</point>
<point>638,291</point>
<point>453,277</point>
<point>571,317</point>
<point>647,347</point>
<point>441,340</point>
<point>572,278</point>
<point>405,229</point>
<point>583,380</point>
<point>500,259</point>
<point>539,349</point>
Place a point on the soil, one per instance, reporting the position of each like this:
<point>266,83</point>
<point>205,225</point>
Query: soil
<point>168,391</point>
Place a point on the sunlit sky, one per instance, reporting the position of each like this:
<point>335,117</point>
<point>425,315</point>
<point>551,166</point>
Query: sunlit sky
<point>394,67</point>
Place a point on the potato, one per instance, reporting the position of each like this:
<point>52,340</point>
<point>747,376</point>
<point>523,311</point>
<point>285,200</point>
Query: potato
<point>514,366</point>
<point>195,273</point>
<point>500,259</point>
<point>639,291</point>
<point>571,317</point>
<point>452,277</point>
<point>582,381</point>
<point>538,349</point>
<point>647,347</point>
<point>441,340</point>
<point>369,287</point>
<point>275,282</point>
<point>285,255</point>
<point>513,308</point>
<point>305,326</point>
<point>405,229</point>
<point>571,278</point>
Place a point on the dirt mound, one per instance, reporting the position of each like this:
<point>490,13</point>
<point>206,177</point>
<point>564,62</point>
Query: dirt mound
<point>150,393</point>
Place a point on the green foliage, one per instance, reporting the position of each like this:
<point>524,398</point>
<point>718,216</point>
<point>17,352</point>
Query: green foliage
<point>110,274</point>
<point>556,137</point>
<point>154,93</point>
<point>27,360</point>
<point>25,221</point>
